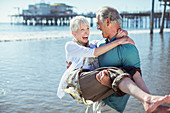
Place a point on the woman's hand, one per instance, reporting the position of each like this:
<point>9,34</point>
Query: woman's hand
<point>125,40</point>
<point>121,33</point>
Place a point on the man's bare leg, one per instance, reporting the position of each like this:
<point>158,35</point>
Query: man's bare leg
<point>149,102</point>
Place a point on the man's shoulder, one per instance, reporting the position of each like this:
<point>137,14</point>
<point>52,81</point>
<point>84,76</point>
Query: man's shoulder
<point>128,51</point>
<point>127,47</point>
<point>129,55</point>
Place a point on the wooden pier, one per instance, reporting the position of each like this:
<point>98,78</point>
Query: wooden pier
<point>57,19</point>
<point>130,20</point>
<point>142,20</point>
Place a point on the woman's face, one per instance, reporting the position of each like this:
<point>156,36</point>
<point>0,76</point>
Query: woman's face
<point>82,34</point>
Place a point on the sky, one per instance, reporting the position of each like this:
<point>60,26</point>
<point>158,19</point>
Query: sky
<point>10,7</point>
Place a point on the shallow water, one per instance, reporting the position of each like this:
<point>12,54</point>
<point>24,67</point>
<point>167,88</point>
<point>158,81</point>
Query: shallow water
<point>30,70</point>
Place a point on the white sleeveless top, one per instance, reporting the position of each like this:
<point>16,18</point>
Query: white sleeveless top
<point>76,53</point>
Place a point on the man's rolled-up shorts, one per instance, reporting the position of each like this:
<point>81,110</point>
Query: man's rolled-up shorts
<point>91,89</point>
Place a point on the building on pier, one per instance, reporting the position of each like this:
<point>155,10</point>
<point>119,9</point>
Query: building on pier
<point>61,8</point>
<point>46,14</point>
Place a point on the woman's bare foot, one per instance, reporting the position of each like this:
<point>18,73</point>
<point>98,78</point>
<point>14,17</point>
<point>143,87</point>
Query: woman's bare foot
<point>162,109</point>
<point>151,103</point>
<point>104,78</point>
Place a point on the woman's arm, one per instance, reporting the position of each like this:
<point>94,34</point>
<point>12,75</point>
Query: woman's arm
<point>74,50</point>
<point>103,49</point>
<point>122,38</point>
<point>121,33</point>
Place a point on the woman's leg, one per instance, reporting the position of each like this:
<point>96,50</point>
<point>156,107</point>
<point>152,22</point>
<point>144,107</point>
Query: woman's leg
<point>90,88</point>
<point>149,102</point>
<point>140,82</point>
<point>126,85</point>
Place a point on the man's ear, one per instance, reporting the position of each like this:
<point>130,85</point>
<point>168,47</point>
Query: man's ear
<point>108,21</point>
<point>73,33</point>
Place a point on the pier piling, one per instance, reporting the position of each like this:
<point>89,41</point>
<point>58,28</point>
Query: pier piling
<point>163,17</point>
<point>152,18</point>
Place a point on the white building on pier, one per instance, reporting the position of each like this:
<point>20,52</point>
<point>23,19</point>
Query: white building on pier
<point>47,9</point>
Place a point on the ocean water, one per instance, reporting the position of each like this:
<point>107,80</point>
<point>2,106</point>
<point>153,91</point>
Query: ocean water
<point>32,61</point>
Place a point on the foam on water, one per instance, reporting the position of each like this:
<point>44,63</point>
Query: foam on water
<point>146,31</point>
<point>53,33</point>
<point>39,35</point>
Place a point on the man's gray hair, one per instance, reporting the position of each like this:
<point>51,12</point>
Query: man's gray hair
<point>76,21</point>
<point>111,13</point>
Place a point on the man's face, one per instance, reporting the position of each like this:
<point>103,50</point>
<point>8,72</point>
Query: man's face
<point>102,27</point>
<point>82,34</point>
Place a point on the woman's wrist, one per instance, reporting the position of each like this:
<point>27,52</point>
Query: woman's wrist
<point>115,42</point>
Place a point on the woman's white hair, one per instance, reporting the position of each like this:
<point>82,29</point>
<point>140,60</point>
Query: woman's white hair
<point>76,21</point>
<point>111,13</point>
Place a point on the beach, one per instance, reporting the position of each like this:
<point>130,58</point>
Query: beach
<point>32,61</point>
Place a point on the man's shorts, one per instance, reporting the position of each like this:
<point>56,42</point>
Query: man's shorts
<point>91,89</point>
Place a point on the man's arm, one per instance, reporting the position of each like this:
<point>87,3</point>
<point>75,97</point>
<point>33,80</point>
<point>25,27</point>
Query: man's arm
<point>130,57</point>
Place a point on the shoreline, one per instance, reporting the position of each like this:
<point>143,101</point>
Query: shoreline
<point>52,35</point>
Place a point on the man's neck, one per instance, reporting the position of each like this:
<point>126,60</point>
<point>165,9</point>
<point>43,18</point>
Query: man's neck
<point>110,38</point>
<point>114,32</point>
